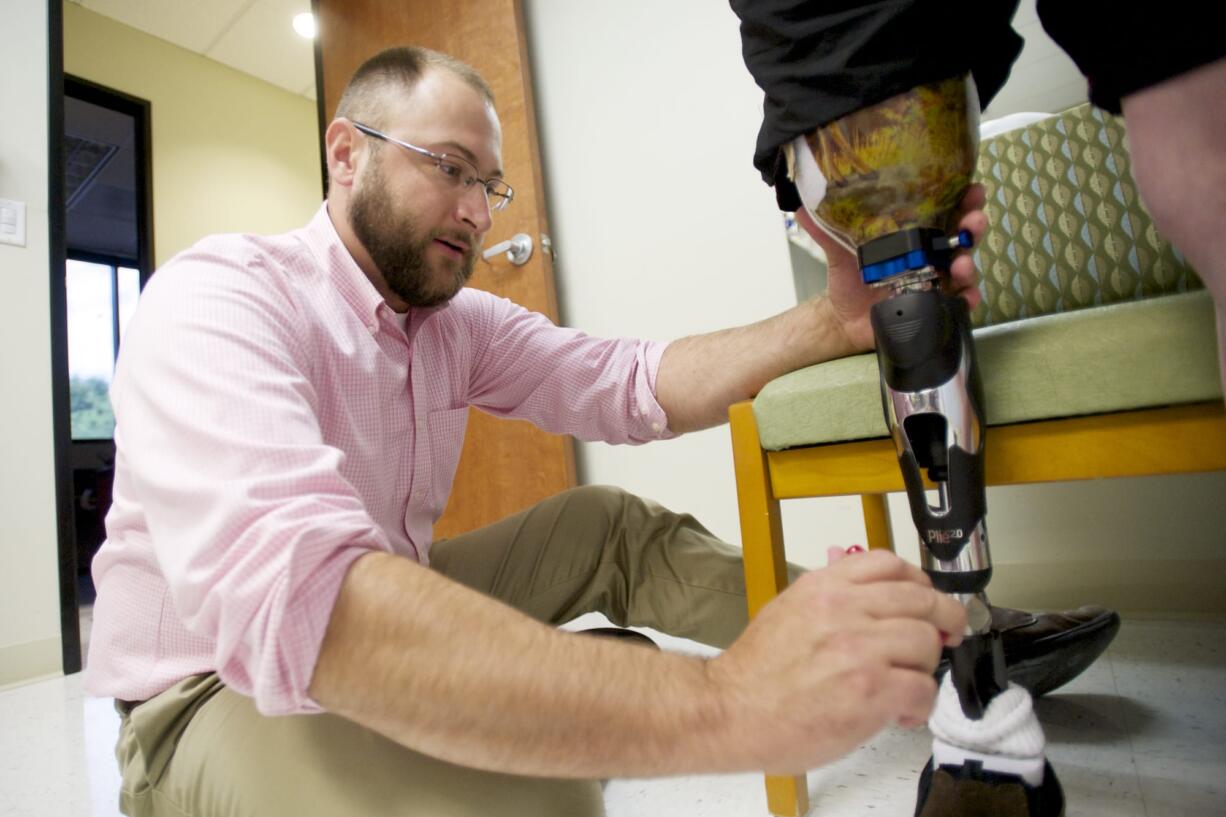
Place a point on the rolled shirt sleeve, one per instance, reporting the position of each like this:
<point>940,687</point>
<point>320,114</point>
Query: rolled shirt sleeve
<point>560,379</point>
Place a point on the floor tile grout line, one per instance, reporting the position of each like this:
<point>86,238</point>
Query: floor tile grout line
<point>1128,729</point>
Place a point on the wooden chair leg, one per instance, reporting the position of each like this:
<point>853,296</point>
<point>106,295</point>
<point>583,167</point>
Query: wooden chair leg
<point>765,566</point>
<point>877,522</point>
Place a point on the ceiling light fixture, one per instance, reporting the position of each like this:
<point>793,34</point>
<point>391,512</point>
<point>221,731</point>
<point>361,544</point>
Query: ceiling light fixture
<point>304,24</point>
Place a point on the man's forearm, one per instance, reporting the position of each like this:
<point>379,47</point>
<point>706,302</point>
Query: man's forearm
<point>701,376</point>
<point>456,675</point>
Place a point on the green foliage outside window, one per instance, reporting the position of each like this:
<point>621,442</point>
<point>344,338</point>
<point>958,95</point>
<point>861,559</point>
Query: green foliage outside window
<point>92,418</point>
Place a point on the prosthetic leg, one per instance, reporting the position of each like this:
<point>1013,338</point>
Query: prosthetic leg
<point>885,181</point>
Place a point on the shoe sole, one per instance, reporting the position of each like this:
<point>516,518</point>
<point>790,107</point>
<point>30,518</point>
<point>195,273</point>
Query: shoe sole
<point>976,793</point>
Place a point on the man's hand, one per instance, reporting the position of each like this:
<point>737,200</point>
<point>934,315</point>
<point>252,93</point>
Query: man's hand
<point>842,653</point>
<point>702,375</point>
<point>850,299</point>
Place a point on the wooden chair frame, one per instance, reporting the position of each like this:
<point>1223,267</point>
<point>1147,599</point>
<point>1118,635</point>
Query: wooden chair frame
<point>1173,440</point>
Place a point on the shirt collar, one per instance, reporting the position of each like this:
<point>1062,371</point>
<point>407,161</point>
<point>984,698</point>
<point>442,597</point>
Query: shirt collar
<point>342,270</point>
<point>350,281</point>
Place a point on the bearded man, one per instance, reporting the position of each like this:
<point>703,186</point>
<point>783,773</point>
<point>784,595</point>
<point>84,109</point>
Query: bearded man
<point>280,632</point>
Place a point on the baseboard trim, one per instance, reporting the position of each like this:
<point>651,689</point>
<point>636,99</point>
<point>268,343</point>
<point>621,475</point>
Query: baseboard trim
<point>33,660</point>
<point>1144,587</point>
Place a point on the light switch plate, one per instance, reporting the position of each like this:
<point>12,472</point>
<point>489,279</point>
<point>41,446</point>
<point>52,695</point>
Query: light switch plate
<point>12,222</point>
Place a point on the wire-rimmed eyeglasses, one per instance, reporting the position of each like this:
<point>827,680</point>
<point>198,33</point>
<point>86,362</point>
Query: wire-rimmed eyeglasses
<point>455,171</point>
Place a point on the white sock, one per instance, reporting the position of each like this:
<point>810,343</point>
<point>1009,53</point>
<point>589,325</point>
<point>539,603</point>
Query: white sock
<point>1007,739</point>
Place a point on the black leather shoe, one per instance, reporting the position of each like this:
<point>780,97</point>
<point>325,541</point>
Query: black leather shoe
<point>1044,651</point>
<point>972,791</point>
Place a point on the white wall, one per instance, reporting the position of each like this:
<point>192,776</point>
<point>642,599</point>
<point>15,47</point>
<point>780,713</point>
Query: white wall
<point>662,226</point>
<point>29,596</point>
<point>647,123</point>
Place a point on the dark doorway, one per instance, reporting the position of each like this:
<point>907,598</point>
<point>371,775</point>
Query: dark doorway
<point>109,257</point>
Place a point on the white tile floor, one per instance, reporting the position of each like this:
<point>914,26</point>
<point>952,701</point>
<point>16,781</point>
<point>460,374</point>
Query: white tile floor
<point>1142,733</point>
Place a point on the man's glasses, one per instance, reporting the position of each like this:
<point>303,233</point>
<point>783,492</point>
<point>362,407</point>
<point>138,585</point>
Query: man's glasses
<point>455,171</point>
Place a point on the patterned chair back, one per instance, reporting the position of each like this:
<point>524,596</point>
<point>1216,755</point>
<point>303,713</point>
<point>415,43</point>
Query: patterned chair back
<point>1067,228</point>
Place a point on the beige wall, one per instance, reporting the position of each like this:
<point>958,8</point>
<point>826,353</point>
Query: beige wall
<point>231,153</point>
<point>29,598</point>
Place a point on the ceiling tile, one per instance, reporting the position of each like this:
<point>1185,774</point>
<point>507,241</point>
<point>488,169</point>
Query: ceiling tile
<point>263,43</point>
<point>188,24</point>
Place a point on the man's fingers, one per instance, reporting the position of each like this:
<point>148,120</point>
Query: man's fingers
<point>879,566</point>
<point>898,642</point>
<point>886,587</point>
<point>963,277</point>
<point>976,196</point>
<point>907,600</point>
<point>976,222</point>
<point>914,694</point>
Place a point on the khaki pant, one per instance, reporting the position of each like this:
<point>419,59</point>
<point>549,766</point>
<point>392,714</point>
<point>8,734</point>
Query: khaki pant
<point>201,750</point>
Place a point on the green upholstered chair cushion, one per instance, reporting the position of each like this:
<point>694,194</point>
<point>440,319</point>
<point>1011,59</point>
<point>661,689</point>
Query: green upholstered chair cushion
<point>1068,230</point>
<point>1131,355</point>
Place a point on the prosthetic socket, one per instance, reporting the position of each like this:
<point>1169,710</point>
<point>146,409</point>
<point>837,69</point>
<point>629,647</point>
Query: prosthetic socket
<point>885,181</point>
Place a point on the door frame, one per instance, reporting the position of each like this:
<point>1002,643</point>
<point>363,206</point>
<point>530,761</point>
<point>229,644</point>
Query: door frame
<point>141,111</point>
<point>58,83</point>
<point>66,535</point>
<point>321,110</point>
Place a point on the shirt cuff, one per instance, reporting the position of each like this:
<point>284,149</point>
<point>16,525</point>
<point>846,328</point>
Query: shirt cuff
<point>316,613</point>
<point>656,419</point>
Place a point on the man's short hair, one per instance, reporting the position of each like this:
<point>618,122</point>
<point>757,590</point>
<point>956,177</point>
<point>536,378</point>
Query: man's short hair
<point>397,70</point>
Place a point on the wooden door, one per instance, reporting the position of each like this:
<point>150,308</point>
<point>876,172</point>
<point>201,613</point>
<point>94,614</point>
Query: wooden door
<point>506,465</point>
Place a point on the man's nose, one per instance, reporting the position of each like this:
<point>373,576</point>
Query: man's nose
<point>473,207</point>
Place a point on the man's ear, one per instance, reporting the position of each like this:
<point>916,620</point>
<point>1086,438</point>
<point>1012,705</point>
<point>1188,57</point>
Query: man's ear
<point>343,152</point>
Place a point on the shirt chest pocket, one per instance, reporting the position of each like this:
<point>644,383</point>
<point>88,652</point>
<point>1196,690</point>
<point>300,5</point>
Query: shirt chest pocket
<point>446,432</point>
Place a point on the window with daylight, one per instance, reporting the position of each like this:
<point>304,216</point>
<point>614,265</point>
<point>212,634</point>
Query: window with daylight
<point>101,298</point>
<point>107,237</point>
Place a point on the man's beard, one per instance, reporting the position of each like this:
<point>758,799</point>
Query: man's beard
<point>400,256</point>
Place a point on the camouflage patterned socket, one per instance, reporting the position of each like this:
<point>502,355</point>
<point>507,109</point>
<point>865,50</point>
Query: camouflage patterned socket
<point>905,162</point>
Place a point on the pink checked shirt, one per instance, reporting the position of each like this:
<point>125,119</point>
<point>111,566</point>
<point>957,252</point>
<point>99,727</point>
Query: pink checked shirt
<point>276,420</point>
